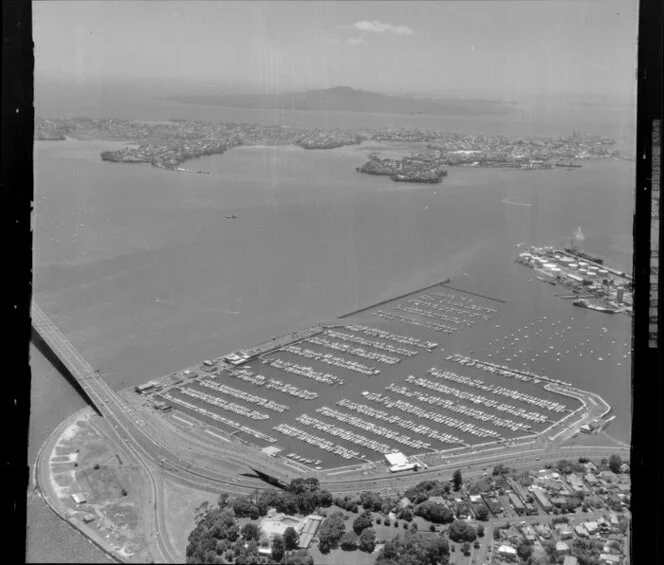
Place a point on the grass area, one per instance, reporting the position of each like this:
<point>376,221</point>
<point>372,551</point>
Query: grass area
<point>105,483</point>
<point>341,557</point>
<point>179,505</point>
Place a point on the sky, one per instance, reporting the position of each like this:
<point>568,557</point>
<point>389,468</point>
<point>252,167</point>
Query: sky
<point>500,49</point>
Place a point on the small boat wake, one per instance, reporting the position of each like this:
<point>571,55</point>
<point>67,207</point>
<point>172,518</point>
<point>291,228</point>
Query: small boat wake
<point>506,200</point>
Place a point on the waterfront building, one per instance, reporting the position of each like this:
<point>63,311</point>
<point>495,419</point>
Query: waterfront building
<point>397,461</point>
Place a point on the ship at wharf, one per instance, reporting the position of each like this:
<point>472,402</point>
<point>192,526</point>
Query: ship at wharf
<point>372,383</point>
<point>593,284</point>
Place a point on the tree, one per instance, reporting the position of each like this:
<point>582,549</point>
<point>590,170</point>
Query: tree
<point>615,461</point>
<point>348,541</point>
<point>482,513</point>
<point>457,479</point>
<point>460,531</point>
<point>330,531</point>
<point>250,532</point>
<point>278,548</point>
<point>371,501</point>
<point>362,522</point>
<point>465,548</point>
<point>368,540</point>
<point>433,512</point>
<point>480,530</point>
<point>300,557</point>
<point>414,550</point>
<point>524,550</point>
<point>291,538</point>
<point>500,469</point>
<point>214,526</point>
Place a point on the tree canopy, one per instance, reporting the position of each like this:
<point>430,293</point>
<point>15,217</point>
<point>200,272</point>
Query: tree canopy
<point>615,461</point>
<point>348,541</point>
<point>460,531</point>
<point>278,548</point>
<point>362,522</point>
<point>414,550</point>
<point>367,540</point>
<point>215,525</point>
<point>291,538</point>
<point>330,532</point>
<point>434,512</point>
<point>457,479</point>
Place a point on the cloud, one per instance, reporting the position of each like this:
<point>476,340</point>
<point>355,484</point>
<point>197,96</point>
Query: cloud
<point>379,27</point>
<point>357,41</point>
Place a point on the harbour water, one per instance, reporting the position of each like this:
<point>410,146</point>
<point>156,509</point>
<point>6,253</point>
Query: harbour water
<point>143,272</point>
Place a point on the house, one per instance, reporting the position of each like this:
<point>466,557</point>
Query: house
<point>590,466</point>
<point>562,548</point>
<point>581,531</point>
<point>575,482</point>
<point>559,501</point>
<point>404,503</point>
<point>473,489</point>
<point>507,552</point>
<point>594,501</point>
<point>590,479</point>
<point>500,483</point>
<point>530,509</point>
<point>437,499</point>
<point>603,524</point>
<point>542,499</point>
<point>609,559</point>
<point>543,531</point>
<point>474,498</point>
<point>592,527</point>
<point>608,476</point>
<point>462,510</point>
<point>624,468</point>
<point>517,504</point>
<point>529,533</point>
<point>570,560</point>
<point>494,505</point>
<point>565,532</point>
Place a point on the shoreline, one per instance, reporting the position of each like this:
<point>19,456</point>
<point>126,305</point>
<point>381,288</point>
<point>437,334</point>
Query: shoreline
<point>40,488</point>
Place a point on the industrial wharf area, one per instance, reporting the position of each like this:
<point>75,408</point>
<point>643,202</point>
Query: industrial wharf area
<point>590,282</point>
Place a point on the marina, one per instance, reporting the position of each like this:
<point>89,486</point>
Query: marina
<point>378,383</point>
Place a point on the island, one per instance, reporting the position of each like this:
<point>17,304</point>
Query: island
<point>168,144</point>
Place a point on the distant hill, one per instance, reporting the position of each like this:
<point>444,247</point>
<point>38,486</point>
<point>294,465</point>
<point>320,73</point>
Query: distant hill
<point>346,99</point>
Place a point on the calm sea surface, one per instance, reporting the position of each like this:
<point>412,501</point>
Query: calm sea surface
<point>140,268</point>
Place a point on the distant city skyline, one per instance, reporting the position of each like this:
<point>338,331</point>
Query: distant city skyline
<point>503,50</point>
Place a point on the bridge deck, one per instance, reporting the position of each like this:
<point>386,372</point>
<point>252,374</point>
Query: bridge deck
<point>71,358</point>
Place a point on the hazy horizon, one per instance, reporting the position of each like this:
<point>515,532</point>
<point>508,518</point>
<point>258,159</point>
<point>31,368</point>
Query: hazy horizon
<point>510,51</point>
